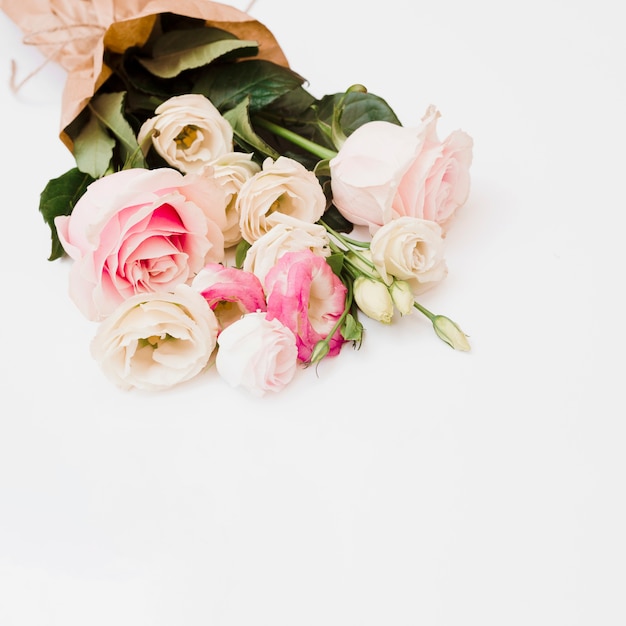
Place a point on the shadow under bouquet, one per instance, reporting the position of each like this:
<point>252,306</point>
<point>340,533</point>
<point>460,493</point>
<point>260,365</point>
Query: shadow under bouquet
<point>219,215</point>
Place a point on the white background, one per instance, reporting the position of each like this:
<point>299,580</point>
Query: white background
<point>401,484</point>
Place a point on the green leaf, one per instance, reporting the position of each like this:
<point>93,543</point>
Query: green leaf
<point>58,198</point>
<point>182,50</point>
<point>358,108</point>
<point>93,148</point>
<point>239,119</point>
<point>240,252</point>
<point>335,261</point>
<point>109,110</point>
<point>261,81</point>
<point>336,221</point>
<point>352,329</point>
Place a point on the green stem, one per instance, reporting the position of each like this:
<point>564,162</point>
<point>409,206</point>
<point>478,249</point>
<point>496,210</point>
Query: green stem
<point>348,241</point>
<point>312,147</point>
<point>425,311</point>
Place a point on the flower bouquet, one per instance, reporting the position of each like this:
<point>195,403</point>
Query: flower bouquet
<point>221,217</point>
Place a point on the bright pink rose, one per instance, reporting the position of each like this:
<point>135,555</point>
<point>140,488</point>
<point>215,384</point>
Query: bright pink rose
<point>230,292</point>
<point>308,298</point>
<point>138,231</point>
<point>384,171</point>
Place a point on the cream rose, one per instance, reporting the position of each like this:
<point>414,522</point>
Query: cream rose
<point>231,171</point>
<point>290,235</point>
<point>188,132</point>
<point>282,187</point>
<point>156,340</point>
<point>384,171</point>
<point>410,249</point>
<point>257,354</point>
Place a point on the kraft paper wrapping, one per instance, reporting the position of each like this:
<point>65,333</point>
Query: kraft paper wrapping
<point>75,34</point>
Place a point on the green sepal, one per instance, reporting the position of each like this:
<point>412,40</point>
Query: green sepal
<point>187,49</point>
<point>240,253</point>
<point>59,198</point>
<point>352,329</point>
<point>322,168</point>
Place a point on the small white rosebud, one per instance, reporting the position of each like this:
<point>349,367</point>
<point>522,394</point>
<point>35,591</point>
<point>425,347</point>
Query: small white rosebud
<point>373,298</point>
<point>362,262</point>
<point>402,296</point>
<point>449,332</point>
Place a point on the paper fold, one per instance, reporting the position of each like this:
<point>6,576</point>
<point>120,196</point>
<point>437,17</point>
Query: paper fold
<point>75,34</point>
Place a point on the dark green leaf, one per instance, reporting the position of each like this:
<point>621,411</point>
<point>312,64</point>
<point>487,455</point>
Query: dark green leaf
<point>295,105</point>
<point>336,262</point>
<point>109,109</point>
<point>58,198</point>
<point>182,50</point>
<point>358,109</point>
<point>261,81</point>
<point>336,221</point>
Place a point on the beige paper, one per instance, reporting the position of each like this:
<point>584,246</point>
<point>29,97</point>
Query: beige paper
<point>75,33</point>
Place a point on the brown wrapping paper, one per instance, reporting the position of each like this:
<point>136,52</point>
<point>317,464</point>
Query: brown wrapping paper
<point>75,33</point>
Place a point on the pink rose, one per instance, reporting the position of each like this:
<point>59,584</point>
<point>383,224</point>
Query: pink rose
<point>257,353</point>
<point>384,171</point>
<point>230,292</point>
<point>138,231</point>
<point>306,296</point>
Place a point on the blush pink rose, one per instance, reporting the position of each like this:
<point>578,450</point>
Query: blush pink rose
<point>138,231</point>
<point>384,171</point>
<point>230,292</point>
<point>257,354</point>
<point>306,296</point>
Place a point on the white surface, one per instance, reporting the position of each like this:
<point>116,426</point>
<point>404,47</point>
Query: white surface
<point>404,483</point>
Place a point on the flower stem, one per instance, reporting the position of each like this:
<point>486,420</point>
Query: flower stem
<point>312,147</point>
<point>347,241</point>
<point>424,310</point>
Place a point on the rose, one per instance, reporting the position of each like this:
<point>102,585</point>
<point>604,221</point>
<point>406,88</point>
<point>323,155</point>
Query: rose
<point>139,231</point>
<point>409,249</point>
<point>307,297</point>
<point>289,235</point>
<point>231,170</point>
<point>230,292</point>
<point>282,187</point>
<point>156,340</point>
<point>188,132</point>
<point>257,353</point>
<point>384,171</point>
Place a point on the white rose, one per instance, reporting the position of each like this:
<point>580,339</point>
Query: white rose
<point>257,354</point>
<point>290,235</point>
<point>188,132</point>
<point>410,249</point>
<point>231,171</point>
<point>155,340</point>
<point>282,187</point>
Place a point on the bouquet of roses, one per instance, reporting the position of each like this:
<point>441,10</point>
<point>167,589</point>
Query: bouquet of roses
<point>220,215</point>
